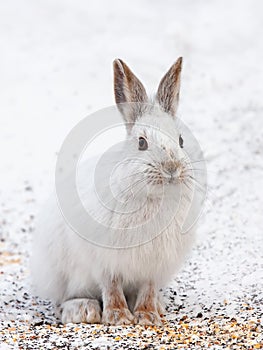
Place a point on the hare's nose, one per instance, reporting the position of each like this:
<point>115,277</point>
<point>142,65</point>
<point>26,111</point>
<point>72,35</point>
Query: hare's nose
<point>171,167</point>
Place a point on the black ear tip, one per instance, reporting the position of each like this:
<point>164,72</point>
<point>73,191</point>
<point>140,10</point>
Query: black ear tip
<point>180,61</point>
<point>118,65</point>
<point>116,62</point>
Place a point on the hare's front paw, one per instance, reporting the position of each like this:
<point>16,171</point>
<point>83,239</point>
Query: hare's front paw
<point>117,316</point>
<point>147,318</point>
<point>80,310</point>
<point>148,307</point>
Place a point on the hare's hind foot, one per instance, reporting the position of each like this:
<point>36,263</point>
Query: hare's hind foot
<point>80,310</point>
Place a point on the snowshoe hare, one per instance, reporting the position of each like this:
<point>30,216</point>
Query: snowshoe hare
<point>118,282</point>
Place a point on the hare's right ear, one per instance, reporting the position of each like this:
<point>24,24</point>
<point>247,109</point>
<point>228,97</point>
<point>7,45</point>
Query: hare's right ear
<point>130,94</point>
<point>169,88</point>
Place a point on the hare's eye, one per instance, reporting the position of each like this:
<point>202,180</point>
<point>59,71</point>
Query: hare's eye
<point>181,141</point>
<point>143,145</point>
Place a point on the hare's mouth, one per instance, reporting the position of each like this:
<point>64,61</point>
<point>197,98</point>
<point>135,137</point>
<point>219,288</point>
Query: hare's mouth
<point>170,179</point>
<point>165,181</point>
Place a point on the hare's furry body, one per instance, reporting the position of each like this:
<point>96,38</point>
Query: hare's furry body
<point>71,267</point>
<point>123,270</point>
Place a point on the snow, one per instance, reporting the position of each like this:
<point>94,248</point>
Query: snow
<point>56,68</point>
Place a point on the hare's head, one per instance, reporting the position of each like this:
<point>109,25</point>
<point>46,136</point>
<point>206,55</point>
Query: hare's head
<point>152,126</point>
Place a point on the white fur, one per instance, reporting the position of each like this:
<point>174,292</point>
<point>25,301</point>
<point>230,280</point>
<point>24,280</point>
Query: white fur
<point>66,266</point>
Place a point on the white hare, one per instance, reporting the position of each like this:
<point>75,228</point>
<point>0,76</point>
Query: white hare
<point>96,283</point>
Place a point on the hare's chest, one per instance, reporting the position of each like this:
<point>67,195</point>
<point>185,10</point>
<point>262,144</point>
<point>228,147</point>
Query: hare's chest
<point>155,260</point>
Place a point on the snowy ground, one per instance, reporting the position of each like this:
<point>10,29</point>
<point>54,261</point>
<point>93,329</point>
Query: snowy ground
<point>55,69</point>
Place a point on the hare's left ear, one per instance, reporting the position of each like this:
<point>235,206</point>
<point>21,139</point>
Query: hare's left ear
<point>169,88</point>
<point>130,94</point>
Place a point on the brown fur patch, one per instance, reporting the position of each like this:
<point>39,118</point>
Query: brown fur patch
<point>115,309</point>
<point>127,86</point>
<point>115,296</point>
<point>147,302</point>
<point>169,88</point>
<point>130,94</point>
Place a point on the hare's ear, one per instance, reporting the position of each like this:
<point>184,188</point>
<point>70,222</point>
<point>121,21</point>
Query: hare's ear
<point>130,94</point>
<point>169,88</point>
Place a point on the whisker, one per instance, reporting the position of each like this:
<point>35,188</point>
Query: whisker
<point>134,194</point>
<point>207,191</point>
<point>131,186</point>
<point>185,183</point>
<point>199,187</point>
<point>134,174</point>
<point>124,191</point>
